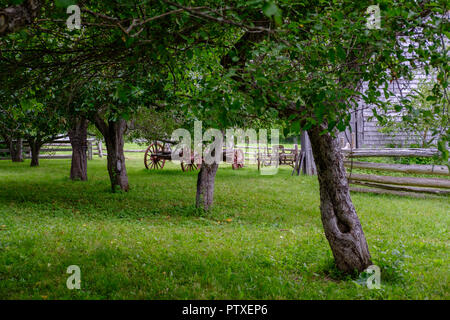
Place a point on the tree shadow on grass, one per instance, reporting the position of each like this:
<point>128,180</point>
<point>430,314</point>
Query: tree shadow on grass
<point>172,194</point>
<point>176,270</point>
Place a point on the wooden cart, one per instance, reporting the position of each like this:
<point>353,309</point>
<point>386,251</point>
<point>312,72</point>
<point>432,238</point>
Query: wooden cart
<point>158,153</point>
<point>285,156</point>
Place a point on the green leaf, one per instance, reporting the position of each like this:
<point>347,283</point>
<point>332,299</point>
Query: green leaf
<point>295,127</point>
<point>262,80</point>
<point>341,53</point>
<point>122,94</point>
<point>270,9</point>
<point>442,147</point>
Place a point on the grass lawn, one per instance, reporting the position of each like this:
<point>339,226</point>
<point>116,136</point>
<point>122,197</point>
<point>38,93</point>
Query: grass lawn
<point>263,240</point>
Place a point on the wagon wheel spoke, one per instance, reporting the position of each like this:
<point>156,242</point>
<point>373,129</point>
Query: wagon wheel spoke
<point>147,158</point>
<point>152,160</point>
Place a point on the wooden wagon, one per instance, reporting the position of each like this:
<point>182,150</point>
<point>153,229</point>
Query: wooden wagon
<point>158,153</point>
<point>285,156</point>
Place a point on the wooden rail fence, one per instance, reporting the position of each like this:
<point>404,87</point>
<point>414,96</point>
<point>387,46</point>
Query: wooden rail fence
<point>384,184</point>
<point>49,150</point>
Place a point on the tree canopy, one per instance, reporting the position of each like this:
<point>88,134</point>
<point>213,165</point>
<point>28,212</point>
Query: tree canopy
<point>303,64</point>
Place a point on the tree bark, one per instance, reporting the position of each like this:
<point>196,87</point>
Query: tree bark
<point>15,17</point>
<point>78,140</point>
<point>113,132</point>
<point>15,148</point>
<point>35,146</point>
<point>340,221</point>
<point>205,185</point>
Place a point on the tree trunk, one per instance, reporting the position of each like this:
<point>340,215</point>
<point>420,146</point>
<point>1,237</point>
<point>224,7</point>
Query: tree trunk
<point>113,132</point>
<point>13,18</point>
<point>205,185</point>
<point>78,140</point>
<point>340,221</point>
<point>15,148</point>
<point>35,147</point>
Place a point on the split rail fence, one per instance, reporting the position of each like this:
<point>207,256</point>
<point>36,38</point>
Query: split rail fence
<point>57,149</point>
<point>263,155</point>
<point>398,185</point>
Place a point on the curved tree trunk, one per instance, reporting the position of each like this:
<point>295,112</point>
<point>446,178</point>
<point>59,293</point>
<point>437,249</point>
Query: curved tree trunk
<point>78,140</point>
<point>113,132</point>
<point>340,221</point>
<point>205,185</point>
<point>35,147</point>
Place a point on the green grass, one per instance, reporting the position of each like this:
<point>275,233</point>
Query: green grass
<point>263,240</point>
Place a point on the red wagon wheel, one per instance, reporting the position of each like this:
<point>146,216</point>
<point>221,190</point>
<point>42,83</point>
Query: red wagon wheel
<point>189,166</point>
<point>151,158</point>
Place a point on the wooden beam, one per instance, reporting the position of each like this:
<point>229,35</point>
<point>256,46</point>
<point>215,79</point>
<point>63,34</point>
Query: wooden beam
<point>405,181</point>
<point>392,192</point>
<point>404,168</point>
<point>307,165</point>
<point>390,152</point>
<point>402,188</point>
<point>56,150</point>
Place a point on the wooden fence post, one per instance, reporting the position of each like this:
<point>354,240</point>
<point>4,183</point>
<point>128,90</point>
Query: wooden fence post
<point>296,169</point>
<point>307,164</point>
<point>100,148</point>
<point>353,140</point>
<point>89,150</point>
<point>259,158</point>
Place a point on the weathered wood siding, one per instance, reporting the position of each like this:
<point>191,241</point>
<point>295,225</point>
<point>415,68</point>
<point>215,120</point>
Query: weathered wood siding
<point>366,127</point>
